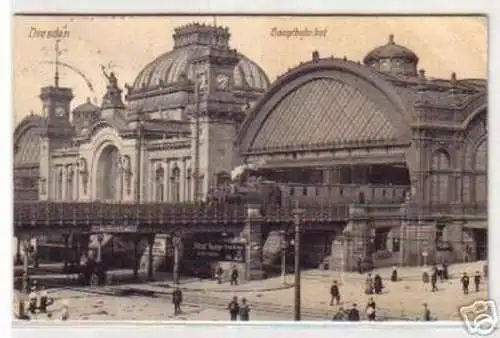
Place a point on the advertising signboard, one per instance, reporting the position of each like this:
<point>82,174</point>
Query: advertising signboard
<point>216,251</point>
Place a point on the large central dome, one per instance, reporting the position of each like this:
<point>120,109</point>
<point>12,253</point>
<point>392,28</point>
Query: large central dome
<point>189,42</point>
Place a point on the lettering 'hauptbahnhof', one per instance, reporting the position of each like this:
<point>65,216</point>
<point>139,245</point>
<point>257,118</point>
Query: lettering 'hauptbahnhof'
<point>326,130</point>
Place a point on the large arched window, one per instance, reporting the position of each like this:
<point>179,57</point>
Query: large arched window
<point>480,167</point>
<point>440,179</point>
<point>175,184</point>
<point>159,184</point>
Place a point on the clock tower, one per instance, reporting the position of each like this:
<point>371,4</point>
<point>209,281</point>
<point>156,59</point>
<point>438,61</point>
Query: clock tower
<point>56,103</point>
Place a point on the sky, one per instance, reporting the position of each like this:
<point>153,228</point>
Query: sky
<point>443,44</point>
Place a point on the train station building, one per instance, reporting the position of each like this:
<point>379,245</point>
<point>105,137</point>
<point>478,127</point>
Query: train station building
<point>379,134</point>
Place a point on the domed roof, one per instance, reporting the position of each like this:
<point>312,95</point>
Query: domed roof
<point>86,108</point>
<point>391,50</point>
<point>190,42</point>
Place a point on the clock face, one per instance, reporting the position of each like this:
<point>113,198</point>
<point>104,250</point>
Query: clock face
<point>60,111</point>
<point>222,81</point>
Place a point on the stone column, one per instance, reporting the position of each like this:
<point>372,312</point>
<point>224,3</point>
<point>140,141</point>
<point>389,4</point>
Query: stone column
<point>252,232</point>
<point>356,240</point>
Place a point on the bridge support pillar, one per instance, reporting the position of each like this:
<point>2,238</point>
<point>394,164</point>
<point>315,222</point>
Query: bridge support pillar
<point>18,260</point>
<point>357,240</point>
<point>151,240</point>
<point>136,241</point>
<point>252,233</point>
<point>66,252</point>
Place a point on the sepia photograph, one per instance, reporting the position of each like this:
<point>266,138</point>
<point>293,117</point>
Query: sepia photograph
<point>250,168</point>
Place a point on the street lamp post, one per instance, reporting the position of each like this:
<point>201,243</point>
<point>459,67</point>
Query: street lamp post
<point>297,214</point>
<point>26,280</point>
<point>140,136</point>
<point>100,239</point>
<point>176,241</point>
<point>196,172</point>
<point>283,256</point>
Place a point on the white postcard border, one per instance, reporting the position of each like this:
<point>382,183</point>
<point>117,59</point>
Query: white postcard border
<point>150,329</point>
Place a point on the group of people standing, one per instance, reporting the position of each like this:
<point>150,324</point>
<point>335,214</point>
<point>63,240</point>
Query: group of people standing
<point>38,302</point>
<point>234,276</point>
<point>441,272</point>
<point>351,314</point>
<point>238,310</point>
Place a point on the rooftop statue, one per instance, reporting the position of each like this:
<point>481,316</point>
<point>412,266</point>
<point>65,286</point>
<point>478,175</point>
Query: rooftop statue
<point>112,80</point>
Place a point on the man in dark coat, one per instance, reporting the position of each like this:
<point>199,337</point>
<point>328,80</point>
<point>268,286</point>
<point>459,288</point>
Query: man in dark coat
<point>177,300</point>
<point>477,280</point>
<point>394,275</point>
<point>434,278</point>
<point>334,293</point>
<point>234,276</point>
<point>359,264</point>
<point>234,308</point>
<point>45,302</point>
<point>427,313</point>
<point>353,315</point>
<point>465,283</point>
<point>377,284</point>
<point>445,271</point>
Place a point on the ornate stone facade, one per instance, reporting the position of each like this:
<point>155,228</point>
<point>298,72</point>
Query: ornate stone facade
<point>370,133</point>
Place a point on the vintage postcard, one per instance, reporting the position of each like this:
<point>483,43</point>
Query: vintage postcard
<point>251,168</point>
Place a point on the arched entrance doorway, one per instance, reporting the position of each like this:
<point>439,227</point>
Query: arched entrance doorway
<point>108,181</point>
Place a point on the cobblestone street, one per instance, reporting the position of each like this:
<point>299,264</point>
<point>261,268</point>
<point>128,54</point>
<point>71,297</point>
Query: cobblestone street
<point>270,300</point>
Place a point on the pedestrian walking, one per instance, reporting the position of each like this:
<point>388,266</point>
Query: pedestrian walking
<point>353,315</point>
<point>465,283</point>
<point>234,276</point>
<point>440,271</point>
<point>244,310</point>
<point>234,308</point>
<point>177,300</point>
<point>359,264</point>
<point>32,300</point>
<point>427,313</point>
<point>394,275</point>
<point>371,309</point>
<point>445,271</point>
<point>218,274</point>
<point>45,302</point>
<point>334,293</point>
<point>377,284</point>
<point>425,276</point>
<point>22,315</point>
<point>65,310</point>
<point>485,270</point>
<point>434,278</point>
<point>340,315</point>
<point>369,285</point>
<point>477,280</point>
